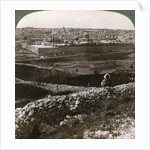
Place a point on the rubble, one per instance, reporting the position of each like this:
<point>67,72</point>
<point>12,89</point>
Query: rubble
<point>53,110</point>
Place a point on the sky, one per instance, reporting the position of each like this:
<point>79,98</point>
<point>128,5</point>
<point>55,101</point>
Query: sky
<point>76,19</point>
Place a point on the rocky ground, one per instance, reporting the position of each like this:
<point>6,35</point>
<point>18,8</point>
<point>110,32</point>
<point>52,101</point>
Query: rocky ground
<point>95,113</point>
<point>48,108</point>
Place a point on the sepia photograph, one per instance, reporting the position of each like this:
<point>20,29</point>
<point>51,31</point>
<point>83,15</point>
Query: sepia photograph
<point>75,74</point>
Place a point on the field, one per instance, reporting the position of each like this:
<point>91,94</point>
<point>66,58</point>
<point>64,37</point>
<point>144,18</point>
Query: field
<point>73,71</point>
<point>84,60</point>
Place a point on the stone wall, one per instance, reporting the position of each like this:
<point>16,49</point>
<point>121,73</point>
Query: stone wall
<point>52,110</point>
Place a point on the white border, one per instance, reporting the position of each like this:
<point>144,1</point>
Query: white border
<point>8,140</point>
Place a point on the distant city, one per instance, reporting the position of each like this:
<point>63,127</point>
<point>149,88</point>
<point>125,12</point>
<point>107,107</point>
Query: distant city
<point>75,75</point>
<point>73,36</point>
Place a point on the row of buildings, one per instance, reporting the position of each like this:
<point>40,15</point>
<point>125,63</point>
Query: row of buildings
<point>73,36</point>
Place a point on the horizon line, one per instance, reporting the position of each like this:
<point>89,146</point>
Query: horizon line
<point>72,28</point>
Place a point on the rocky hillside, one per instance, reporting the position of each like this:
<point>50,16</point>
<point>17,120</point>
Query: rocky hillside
<point>94,113</point>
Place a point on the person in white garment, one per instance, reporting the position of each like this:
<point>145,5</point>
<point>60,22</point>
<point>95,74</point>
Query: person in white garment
<point>106,80</point>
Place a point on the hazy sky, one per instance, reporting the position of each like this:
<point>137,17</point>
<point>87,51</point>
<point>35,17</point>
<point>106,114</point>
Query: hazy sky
<point>76,19</point>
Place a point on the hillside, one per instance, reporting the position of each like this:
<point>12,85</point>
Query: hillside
<point>94,113</point>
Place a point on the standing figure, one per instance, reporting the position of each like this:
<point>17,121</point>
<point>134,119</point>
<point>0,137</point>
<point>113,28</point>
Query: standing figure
<point>88,85</point>
<point>106,80</point>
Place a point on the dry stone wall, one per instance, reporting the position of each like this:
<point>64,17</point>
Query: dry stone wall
<point>52,110</point>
